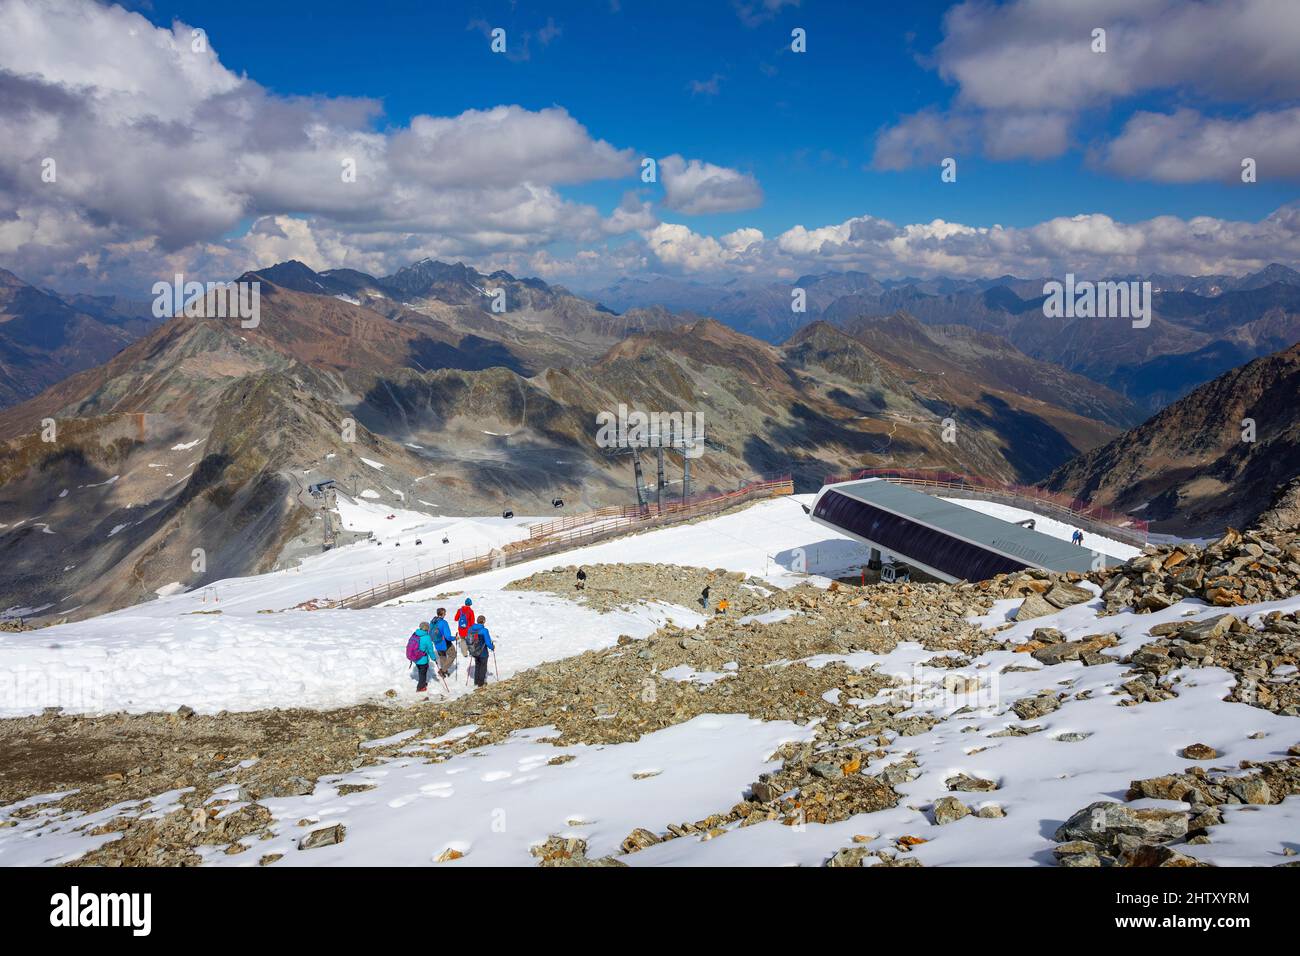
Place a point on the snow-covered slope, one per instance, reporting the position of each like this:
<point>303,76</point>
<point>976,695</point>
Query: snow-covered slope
<point>492,804</point>
<point>242,644</point>
<point>405,809</point>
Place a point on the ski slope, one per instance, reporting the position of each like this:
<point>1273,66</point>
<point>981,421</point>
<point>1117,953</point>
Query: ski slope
<point>244,644</point>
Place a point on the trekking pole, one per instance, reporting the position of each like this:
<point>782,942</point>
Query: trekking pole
<point>495,672</point>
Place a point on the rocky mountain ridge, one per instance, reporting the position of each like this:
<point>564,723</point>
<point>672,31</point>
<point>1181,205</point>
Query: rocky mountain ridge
<point>1213,458</point>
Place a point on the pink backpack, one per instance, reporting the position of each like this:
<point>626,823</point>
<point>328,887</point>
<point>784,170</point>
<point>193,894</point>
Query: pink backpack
<point>413,652</point>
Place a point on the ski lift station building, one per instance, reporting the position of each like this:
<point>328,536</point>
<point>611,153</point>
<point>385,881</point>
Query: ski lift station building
<point>945,540</point>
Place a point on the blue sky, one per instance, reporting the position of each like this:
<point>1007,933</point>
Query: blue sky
<point>773,163</point>
<point>803,124</point>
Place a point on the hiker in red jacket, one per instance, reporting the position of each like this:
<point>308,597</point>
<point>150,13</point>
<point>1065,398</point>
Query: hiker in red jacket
<point>464,621</point>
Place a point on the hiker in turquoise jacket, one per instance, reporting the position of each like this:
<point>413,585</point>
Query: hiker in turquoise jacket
<point>427,650</point>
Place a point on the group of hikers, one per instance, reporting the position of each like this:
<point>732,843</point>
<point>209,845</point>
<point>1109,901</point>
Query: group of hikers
<point>433,642</point>
<point>1077,537</point>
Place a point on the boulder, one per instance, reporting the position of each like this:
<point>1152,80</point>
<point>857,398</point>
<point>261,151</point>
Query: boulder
<point>1150,855</point>
<point>968,784</point>
<point>1208,629</point>
<point>326,836</point>
<point>1077,853</point>
<point>1251,790</point>
<point>1034,606</point>
<point>849,856</point>
<point>1104,822</point>
<point>949,810</point>
<point>1029,707</point>
<point>1063,595</point>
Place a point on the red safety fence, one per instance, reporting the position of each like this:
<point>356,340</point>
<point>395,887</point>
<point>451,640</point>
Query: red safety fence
<point>1074,508</point>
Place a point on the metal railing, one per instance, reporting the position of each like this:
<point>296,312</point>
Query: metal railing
<point>566,534</point>
<point>1075,511</point>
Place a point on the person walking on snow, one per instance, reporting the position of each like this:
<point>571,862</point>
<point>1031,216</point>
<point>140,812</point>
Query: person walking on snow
<point>464,621</point>
<point>443,642</point>
<point>480,645</point>
<point>422,662</point>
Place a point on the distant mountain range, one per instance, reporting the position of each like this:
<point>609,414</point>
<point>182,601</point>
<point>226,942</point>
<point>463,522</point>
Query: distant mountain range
<point>45,337</point>
<point>1202,325</point>
<point>203,434</point>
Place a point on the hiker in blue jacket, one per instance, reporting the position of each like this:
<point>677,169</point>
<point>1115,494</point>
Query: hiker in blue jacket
<point>480,644</point>
<point>427,650</point>
<point>443,642</point>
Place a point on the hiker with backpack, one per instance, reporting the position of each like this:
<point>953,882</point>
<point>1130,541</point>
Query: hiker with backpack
<point>443,643</point>
<point>480,644</point>
<point>464,621</point>
<point>419,648</point>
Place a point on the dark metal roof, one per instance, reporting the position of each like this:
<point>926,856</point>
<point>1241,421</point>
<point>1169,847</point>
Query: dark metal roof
<point>1032,548</point>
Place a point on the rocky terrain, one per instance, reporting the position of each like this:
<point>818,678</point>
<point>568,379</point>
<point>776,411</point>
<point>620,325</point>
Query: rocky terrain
<point>609,586</point>
<point>861,719</point>
<point>1211,459</point>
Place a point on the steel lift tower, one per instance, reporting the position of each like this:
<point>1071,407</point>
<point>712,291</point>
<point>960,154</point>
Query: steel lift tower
<point>682,444</point>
